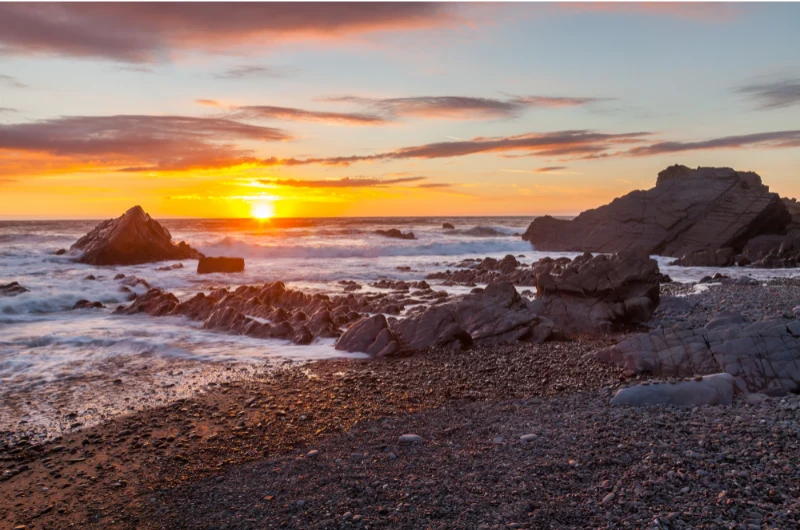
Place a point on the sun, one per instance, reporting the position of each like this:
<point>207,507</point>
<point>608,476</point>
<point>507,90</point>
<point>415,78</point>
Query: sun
<point>262,210</point>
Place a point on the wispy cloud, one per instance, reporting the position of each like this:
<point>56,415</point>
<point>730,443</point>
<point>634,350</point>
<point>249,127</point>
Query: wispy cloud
<point>775,139</point>
<point>550,169</point>
<point>460,107</point>
<point>346,182</point>
<point>141,32</point>
<point>7,110</point>
<point>11,82</point>
<point>208,102</point>
<point>139,142</point>
<point>773,95</point>
<point>543,144</point>
<point>252,70</point>
<point>294,114</point>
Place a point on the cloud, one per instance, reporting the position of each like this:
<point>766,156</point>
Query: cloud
<point>11,82</point>
<point>696,11</point>
<point>138,143</point>
<point>293,114</point>
<point>243,71</point>
<point>208,102</point>
<point>143,32</point>
<point>7,110</point>
<point>346,182</point>
<point>460,107</point>
<point>764,140</point>
<point>541,144</point>
<point>774,95</point>
<point>434,185</point>
<point>550,169</point>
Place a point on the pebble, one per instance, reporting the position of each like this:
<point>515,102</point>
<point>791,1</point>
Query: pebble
<point>312,453</point>
<point>527,438</point>
<point>608,498</point>
<point>409,439</point>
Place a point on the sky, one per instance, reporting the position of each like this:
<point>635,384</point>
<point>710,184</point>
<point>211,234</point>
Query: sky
<point>385,109</point>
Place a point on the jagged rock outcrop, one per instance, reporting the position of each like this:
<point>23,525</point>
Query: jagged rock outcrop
<point>371,336</point>
<point>600,293</point>
<point>86,304</point>
<point>12,289</point>
<point>131,239</point>
<point>207,265</point>
<point>394,233</point>
<point>763,356</point>
<point>495,315</point>
<point>688,211</point>
<point>273,311</point>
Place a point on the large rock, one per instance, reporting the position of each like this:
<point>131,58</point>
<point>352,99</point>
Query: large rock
<point>394,233</point>
<point>600,293</point>
<point>220,264</point>
<point>763,356</point>
<point>715,389</point>
<point>12,289</point>
<point>131,239</point>
<point>688,211</point>
<point>370,335</point>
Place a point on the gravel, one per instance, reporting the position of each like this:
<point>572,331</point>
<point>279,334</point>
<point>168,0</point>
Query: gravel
<point>591,465</point>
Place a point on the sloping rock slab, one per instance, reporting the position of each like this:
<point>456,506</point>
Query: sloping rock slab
<point>762,356</point>
<point>131,239</point>
<point>715,389</point>
<point>601,293</point>
<point>689,210</point>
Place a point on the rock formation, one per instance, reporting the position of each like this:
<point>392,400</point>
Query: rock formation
<point>12,289</point>
<point>394,233</point>
<point>763,356</point>
<point>448,226</point>
<point>208,265</point>
<point>688,211</point>
<point>587,295</point>
<point>495,315</point>
<point>600,293</point>
<point>131,239</point>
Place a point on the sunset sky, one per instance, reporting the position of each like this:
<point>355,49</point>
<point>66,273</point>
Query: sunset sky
<point>214,110</point>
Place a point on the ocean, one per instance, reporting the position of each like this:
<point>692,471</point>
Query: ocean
<point>54,359</point>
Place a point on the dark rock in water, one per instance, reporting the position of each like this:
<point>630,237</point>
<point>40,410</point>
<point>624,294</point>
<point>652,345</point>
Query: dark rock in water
<point>154,303</point>
<point>762,356</point>
<point>86,304</point>
<point>221,264</point>
<point>688,211</point>
<point>600,293</point>
<point>171,267</point>
<point>61,252</point>
<point>12,289</point>
<point>131,239</point>
<point>482,231</point>
<point>448,226</point>
<point>119,276</point>
<point>395,234</point>
<point>90,277</point>
<point>723,257</point>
